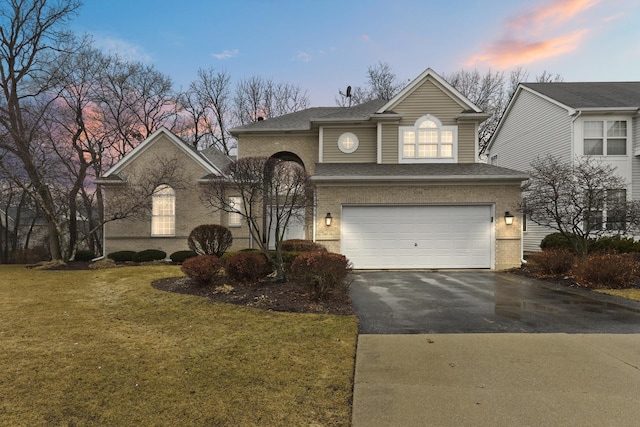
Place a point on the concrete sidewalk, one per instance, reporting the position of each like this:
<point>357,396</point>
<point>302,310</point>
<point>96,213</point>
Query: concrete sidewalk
<point>497,380</point>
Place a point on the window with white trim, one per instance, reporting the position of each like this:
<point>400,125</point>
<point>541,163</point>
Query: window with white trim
<point>428,141</point>
<point>605,137</point>
<point>235,218</point>
<point>163,211</point>
<point>348,142</point>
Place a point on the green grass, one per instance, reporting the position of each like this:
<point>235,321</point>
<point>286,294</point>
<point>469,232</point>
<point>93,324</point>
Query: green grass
<point>104,348</point>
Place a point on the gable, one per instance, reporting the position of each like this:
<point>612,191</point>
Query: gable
<point>428,98</point>
<point>443,85</point>
<point>161,143</point>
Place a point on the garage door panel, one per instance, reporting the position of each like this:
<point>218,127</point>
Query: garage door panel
<point>417,236</point>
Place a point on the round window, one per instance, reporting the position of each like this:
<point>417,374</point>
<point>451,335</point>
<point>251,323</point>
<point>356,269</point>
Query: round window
<point>348,142</point>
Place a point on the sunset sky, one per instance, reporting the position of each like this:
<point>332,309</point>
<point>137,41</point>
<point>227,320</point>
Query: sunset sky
<point>323,46</point>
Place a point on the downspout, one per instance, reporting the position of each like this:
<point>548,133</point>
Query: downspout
<point>315,215</point>
<point>104,242</point>
<point>573,142</point>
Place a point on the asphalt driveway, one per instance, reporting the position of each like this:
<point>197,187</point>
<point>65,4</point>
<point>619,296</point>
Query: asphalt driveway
<point>483,302</point>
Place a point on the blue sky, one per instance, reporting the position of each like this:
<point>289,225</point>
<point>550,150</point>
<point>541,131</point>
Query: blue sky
<point>323,46</point>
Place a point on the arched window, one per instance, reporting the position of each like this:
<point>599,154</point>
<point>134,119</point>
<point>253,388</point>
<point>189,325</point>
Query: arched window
<point>428,141</point>
<point>163,211</point>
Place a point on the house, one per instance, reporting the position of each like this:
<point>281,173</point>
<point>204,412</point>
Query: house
<point>398,183</point>
<point>568,121</point>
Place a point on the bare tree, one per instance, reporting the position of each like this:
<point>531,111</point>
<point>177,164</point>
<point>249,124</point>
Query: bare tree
<point>134,101</point>
<point>208,106</point>
<point>382,83</point>
<point>31,44</point>
<point>581,200</point>
<point>272,193</point>
<point>257,98</point>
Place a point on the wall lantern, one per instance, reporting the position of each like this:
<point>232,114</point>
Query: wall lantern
<point>508,218</point>
<point>328,219</point>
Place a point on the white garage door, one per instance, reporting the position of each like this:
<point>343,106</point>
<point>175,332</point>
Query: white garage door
<point>417,236</point>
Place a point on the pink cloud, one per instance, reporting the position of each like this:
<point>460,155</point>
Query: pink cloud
<point>536,34</point>
<point>510,53</point>
<point>365,37</point>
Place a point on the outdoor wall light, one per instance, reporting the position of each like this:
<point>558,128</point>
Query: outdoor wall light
<point>508,218</point>
<point>328,219</point>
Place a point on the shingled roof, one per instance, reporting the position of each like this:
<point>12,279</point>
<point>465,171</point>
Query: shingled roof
<point>591,94</point>
<point>414,171</point>
<point>302,120</point>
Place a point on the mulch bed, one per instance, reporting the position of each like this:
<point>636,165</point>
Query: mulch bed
<point>287,296</point>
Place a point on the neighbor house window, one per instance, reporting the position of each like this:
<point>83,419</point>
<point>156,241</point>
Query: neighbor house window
<point>605,137</point>
<point>163,211</point>
<point>428,141</point>
<point>348,142</point>
<point>616,209</point>
<point>235,204</point>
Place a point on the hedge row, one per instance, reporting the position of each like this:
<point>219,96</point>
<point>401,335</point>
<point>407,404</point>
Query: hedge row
<point>597,270</point>
<point>615,244</point>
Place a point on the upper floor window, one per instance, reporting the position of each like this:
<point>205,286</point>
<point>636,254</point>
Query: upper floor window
<point>428,141</point>
<point>163,211</point>
<point>605,137</point>
<point>348,142</point>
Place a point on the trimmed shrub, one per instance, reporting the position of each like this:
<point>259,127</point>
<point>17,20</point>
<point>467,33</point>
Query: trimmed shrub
<point>210,239</point>
<point>84,255</point>
<point>202,268</point>
<point>615,244</point>
<point>326,273</point>
<point>551,262</point>
<point>612,271</point>
<point>149,255</point>
<point>122,256</point>
<point>299,245</point>
<point>555,241</point>
<point>247,267</point>
<point>180,256</point>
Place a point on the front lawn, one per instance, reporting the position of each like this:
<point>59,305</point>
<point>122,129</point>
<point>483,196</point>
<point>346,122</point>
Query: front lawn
<point>102,347</point>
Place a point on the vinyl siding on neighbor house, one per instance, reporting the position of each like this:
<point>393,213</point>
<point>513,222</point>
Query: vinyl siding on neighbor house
<point>367,145</point>
<point>534,127</point>
<point>635,160</point>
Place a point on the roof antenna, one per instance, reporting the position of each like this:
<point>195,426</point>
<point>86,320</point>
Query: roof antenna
<point>347,94</point>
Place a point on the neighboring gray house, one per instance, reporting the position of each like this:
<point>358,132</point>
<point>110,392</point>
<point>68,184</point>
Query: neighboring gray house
<point>570,120</point>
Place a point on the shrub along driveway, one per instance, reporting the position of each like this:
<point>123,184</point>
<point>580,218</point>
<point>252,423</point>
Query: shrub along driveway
<point>483,302</point>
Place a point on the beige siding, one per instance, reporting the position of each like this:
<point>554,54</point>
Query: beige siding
<point>466,142</point>
<point>304,145</point>
<point>503,197</point>
<point>367,145</point>
<point>389,143</point>
<point>534,127</point>
<point>429,99</point>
